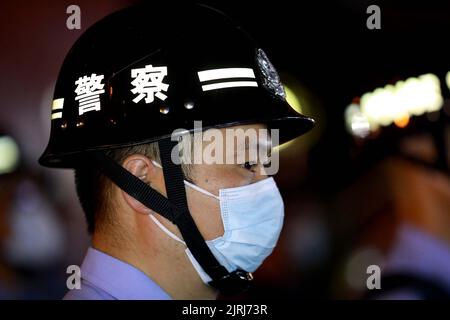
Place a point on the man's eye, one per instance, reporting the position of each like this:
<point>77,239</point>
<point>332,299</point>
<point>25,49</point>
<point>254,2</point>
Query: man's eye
<point>249,165</point>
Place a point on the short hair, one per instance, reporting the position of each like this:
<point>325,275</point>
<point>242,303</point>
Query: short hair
<point>94,189</point>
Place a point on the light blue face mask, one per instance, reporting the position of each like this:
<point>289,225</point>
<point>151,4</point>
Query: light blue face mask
<point>252,218</point>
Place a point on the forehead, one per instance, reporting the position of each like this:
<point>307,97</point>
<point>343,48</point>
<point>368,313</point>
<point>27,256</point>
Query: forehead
<point>248,135</point>
<point>231,145</point>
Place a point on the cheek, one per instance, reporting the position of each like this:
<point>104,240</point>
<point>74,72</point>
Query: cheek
<point>206,213</point>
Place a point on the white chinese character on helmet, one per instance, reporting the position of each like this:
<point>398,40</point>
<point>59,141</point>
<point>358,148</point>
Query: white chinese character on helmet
<point>148,83</point>
<point>88,92</point>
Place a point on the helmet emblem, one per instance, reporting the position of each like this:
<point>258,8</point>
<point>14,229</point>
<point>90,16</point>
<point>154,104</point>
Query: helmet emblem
<point>270,78</point>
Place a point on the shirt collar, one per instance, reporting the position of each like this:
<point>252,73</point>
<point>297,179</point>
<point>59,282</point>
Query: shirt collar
<point>419,252</point>
<point>118,278</point>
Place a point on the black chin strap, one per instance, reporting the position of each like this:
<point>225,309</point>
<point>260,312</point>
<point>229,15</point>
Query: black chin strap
<point>175,209</point>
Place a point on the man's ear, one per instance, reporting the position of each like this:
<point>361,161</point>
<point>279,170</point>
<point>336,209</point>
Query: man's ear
<point>143,168</point>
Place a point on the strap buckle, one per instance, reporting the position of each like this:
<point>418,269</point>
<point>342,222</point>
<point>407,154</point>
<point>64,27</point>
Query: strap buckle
<point>233,283</point>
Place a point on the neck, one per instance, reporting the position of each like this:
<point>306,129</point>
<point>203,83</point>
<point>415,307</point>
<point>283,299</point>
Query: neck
<point>161,258</point>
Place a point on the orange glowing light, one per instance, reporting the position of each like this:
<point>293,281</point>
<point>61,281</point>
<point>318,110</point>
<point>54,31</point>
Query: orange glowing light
<point>402,122</point>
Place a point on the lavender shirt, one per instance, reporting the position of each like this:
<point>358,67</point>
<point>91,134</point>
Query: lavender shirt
<point>419,253</point>
<point>104,277</point>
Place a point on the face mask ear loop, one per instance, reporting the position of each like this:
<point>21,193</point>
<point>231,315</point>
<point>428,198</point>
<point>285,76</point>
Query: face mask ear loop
<point>165,230</point>
<point>197,188</point>
<point>189,184</point>
<point>156,164</point>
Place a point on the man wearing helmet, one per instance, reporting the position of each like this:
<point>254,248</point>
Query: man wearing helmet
<point>124,115</point>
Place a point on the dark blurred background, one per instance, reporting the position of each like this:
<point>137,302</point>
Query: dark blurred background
<point>353,198</point>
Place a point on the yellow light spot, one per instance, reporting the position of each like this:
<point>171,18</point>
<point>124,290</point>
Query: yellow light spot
<point>58,104</point>
<point>9,154</point>
<point>284,146</point>
<point>447,79</point>
<point>292,99</point>
<point>393,103</point>
<point>402,122</point>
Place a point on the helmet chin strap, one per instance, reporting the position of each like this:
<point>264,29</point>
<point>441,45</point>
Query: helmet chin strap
<point>175,209</point>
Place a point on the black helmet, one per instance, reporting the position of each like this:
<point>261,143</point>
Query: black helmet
<point>178,63</point>
<point>139,74</point>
